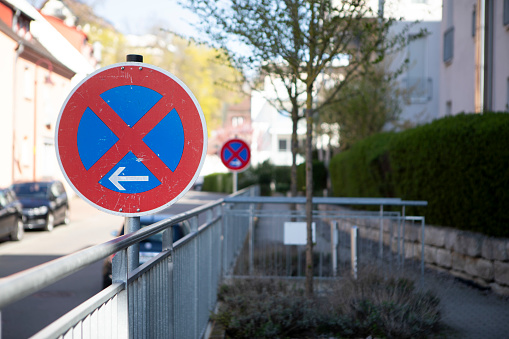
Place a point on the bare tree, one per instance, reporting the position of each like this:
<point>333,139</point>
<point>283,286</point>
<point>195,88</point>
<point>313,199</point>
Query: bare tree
<point>301,42</point>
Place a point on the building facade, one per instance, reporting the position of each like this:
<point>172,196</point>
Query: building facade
<point>475,49</point>
<point>39,68</point>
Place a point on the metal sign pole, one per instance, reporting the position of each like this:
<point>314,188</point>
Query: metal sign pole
<point>235,182</point>
<point>132,224</point>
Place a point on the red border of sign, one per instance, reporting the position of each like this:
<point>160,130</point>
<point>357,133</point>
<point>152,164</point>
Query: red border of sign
<point>175,94</point>
<point>245,164</point>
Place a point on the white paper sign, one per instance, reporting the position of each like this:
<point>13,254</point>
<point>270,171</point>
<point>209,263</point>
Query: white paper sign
<point>295,233</point>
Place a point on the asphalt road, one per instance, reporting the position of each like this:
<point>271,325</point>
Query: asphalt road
<point>88,227</point>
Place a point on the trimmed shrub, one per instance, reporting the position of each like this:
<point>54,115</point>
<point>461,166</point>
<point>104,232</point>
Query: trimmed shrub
<point>218,182</point>
<point>458,164</point>
<point>263,175</point>
<point>282,178</point>
<point>319,176</point>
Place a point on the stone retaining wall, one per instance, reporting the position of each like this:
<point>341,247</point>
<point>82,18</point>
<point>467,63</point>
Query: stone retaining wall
<point>470,256</point>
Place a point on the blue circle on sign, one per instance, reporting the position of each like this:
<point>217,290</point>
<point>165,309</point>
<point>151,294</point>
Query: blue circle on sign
<point>95,138</point>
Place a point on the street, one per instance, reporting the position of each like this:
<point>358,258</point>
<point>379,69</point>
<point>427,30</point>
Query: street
<point>88,227</point>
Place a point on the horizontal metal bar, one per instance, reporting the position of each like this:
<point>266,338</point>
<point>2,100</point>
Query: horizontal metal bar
<point>326,201</point>
<point>414,218</point>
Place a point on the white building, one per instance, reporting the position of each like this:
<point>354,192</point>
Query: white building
<point>420,81</point>
<point>474,60</point>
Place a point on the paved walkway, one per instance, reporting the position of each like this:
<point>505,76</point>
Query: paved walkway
<point>467,311</point>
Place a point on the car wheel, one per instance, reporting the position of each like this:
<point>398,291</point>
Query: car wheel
<point>18,233</point>
<point>67,216</point>
<point>50,222</point>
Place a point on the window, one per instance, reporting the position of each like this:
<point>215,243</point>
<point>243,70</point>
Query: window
<point>448,108</point>
<point>283,145</point>
<point>449,45</point>
<point>418,83</point>
<point>237,121</point>
<point>506,12</point>
<point>449,33</point>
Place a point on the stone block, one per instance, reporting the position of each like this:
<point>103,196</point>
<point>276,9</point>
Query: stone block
<point>444,258</point>
<point>494,249</point>
<point>480,268</point>
<point>430,254</point>
<point>458,261</point>
<point>410,250</point>
<point>469,244</point>
<point>501,272</point>
<point>461,275</point>
<point>412,232</point>
<point>451,237</point>
<point>499,289</point>
<point>435,236</point>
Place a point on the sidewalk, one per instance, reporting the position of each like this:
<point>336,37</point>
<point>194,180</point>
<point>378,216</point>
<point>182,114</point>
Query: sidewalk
<point>469,312</point>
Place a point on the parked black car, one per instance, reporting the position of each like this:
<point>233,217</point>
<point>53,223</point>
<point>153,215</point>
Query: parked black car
<point>45,204</point>
<point>11,218</point>
<point>149,247</point>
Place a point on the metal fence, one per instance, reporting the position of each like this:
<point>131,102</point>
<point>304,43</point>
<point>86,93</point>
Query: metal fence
<point>345,240</point>
<point>171,295</point>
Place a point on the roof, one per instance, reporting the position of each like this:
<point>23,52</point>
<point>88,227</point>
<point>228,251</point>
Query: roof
<point>52,40</point>
<point>73,35</point>
<point>33,51</point>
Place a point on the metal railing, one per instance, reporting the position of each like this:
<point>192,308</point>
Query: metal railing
<point>171,295</point>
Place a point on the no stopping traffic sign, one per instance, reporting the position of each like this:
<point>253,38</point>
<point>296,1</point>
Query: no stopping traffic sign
<point>235,155</point>
<point>131,139</point>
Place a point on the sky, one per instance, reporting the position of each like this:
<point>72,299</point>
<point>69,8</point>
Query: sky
<point>139,17</point>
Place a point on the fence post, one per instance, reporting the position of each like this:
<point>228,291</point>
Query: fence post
<point>334,236</point>
<point>119,274</point>
<point>196,243</point>
<point>381,237</point>
<point>403,239</point>
<point>251,240</point>
<point>422,247</point>
<point>170,309</point>
<point>354,242</point>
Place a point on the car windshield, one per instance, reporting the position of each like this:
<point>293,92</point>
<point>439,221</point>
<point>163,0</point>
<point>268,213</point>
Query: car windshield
<point>35,189</point>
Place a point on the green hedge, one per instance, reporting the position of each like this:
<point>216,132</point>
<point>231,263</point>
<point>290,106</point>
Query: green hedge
<point>218,182</point>
<point>264,174</point>
<point>319,176</point>
<point>459,164</point>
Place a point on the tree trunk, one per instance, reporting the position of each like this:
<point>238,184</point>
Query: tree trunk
<point>309,200</point>
<point>294,147</point>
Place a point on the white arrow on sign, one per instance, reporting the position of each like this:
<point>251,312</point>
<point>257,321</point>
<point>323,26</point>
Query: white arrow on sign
<point>116,177</point>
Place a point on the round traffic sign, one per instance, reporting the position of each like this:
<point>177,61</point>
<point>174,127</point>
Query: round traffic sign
<point>131,139</point>
<point>235,154</point>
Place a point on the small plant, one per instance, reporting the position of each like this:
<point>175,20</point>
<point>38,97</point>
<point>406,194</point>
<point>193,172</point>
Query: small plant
<point>370,306</point>
<point>389,307</point>
<point>258,308</point>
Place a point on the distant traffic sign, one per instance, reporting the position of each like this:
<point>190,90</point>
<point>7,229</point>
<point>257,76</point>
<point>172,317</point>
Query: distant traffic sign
<point>235,155</point>
<point>131,139</point>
